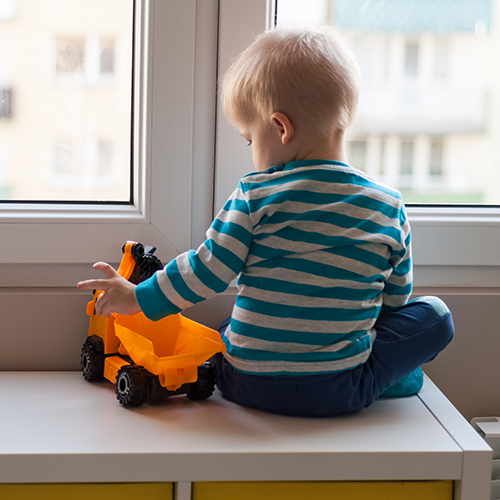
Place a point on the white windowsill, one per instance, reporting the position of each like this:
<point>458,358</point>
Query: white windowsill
<point>29,213</point>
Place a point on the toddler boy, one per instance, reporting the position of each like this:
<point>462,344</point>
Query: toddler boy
<point>322,324</point>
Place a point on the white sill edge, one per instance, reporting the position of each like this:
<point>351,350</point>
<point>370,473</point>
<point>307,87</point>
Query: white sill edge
<point>44,212</point>
<point>38,212</point>
<point>452,216</point>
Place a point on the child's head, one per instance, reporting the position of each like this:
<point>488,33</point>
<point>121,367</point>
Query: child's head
<point>307,74</point>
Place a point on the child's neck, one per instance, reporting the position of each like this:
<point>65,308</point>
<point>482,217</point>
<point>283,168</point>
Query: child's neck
<point>330,148</point>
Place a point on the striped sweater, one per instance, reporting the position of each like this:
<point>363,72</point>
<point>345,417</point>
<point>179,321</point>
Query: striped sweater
<point>319,249</point>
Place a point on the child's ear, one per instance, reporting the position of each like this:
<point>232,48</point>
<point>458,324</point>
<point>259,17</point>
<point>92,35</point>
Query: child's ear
<point>283,126</point>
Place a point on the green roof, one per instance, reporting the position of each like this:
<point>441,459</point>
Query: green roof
<point>414,16</point>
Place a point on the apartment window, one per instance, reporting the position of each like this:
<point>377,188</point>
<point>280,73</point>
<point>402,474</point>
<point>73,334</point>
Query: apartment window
<point>5,103</point>
<point>407,159</point>
<point>83,166</point>
<point>436,157</point>
<point>407,154</point>
<point>8,10</point>
<point>105,157</point>
<point>387,52</point>
<point>90,57</point>
<point>70,56</point>
<point>441,58</point>
<point>313,13</point>
<point>363,51</point>
<point>411,58</point>
<point>4,161</point>
<point>107,56</point>
<point>357,156</point>
<point>66,160</point>
<point>382,160</point>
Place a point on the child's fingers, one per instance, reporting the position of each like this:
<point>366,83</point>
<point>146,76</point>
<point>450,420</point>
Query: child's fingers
<point>93,285</point>
<point>100,306</point>
<point>109,271</point>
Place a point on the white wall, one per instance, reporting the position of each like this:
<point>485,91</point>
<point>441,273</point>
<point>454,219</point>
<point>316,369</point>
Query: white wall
<point>44,329</point>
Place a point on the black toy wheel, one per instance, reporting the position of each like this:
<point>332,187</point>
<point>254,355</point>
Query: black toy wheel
<point>92,359</point>
<point>133,385</point>
<point>204,387</point>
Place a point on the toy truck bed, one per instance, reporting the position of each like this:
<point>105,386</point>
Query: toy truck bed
<point>149,360</point>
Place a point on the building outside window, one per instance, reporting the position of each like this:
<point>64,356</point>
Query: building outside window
<point>68,64</point>
<point>429,72</point>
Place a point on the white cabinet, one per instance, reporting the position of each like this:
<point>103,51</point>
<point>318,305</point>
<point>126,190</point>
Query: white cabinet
<point>58,428</point>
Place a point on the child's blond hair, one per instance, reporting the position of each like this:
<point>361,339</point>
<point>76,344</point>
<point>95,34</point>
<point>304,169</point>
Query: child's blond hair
<point>306,73</point>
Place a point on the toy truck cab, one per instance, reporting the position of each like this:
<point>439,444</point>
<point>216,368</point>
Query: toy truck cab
<point>148,361</point>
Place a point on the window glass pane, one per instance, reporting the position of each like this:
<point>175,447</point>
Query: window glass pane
<point>430,96</point>
<point>406,163</point>
<point>70,57</point>
<point>441,58</point>
<point>436,158</point>
<point>65,100</point>
<point>107,55</point>
<point>411,58</point>
<point>357,153</point>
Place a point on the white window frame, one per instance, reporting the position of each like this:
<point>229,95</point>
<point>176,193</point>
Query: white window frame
<point>453,246</point>
<point>45,245</point>
<point>174,107</point>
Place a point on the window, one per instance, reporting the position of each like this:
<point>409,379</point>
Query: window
<point>362,48</point>
<point>105,158</point>
<point>88,167</point>
<point>436,158</point>
<point>92,57</point>
<point>69,65</point>
<point>5,103</point>
<point>8,10</point>
<point>416,52</point>
<point>406,162</point>
<point>456,219</point>
<point>425,73</point>
<point>172,147</point>
<point>441,58</point>
<point>107,56</point>
<point>357,154</point>
<point>56,241</point>
<point>65,161</point>
<point>70,57</point>
<point>411,58</point>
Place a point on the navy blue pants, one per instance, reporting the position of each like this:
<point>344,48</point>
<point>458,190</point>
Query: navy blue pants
<point>406,338</point>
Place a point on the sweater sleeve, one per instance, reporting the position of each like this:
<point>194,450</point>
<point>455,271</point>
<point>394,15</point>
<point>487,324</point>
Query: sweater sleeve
<point>399,285</point>
<point>198,275</point>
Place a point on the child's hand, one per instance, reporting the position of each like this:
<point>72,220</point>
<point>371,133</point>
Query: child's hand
<point>119,296</point>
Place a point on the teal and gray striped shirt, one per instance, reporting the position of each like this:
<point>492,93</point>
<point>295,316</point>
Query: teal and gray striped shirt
<point>319,248</point>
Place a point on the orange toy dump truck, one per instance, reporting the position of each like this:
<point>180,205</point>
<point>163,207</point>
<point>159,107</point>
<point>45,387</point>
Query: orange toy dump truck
<point>149,361</point>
